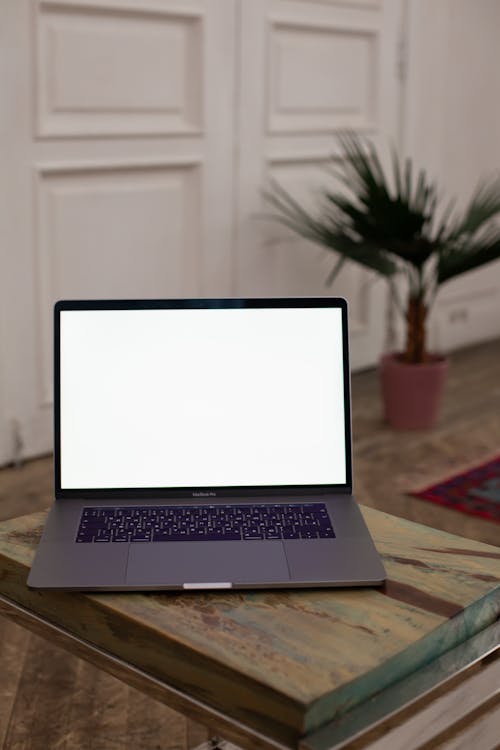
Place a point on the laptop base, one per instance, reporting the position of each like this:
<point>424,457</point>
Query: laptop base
<point>349,559</point>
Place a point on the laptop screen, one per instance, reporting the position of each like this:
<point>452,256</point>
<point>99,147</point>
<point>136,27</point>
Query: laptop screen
<point>207,397</point>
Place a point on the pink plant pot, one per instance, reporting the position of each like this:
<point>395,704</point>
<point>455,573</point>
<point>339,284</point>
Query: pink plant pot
<point>412,394</point>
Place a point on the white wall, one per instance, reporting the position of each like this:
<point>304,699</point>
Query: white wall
<point>452,127</point>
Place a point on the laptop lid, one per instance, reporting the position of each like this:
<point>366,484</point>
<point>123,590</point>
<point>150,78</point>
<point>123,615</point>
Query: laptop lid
<point>201,397</point>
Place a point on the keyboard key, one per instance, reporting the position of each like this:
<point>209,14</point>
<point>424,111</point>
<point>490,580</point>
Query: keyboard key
<point>326,533</point>
<point>103,536</point>
<point>121,536</point>
<point>160,536</point>
<point>224,536</point>
<point>252,534</point>
<point>85,537</point>
<point>140,536</point>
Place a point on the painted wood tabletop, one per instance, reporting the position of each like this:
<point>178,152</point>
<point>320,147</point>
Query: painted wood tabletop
<point>283,662</point>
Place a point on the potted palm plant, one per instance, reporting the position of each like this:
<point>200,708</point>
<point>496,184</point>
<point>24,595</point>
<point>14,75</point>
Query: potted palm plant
<point>397,229</point>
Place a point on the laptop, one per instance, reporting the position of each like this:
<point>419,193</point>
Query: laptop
<point>203,444</point>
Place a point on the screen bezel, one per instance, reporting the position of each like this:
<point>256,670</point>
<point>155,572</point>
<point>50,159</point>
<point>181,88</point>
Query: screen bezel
<point>201,303</point>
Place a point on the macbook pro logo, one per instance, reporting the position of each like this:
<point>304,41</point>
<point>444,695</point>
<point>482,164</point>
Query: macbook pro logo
<point>204,494</point>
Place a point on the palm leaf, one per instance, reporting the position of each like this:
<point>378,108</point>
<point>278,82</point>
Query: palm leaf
<point>386,229</point>
<point>331,236</point>
<point>483,207</point>
<point>454,261</point>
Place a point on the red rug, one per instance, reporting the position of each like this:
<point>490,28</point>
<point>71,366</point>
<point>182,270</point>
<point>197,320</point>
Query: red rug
<point>476,491</point>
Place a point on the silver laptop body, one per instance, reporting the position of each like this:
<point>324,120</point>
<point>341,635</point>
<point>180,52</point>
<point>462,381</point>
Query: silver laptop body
<point>203,444</point>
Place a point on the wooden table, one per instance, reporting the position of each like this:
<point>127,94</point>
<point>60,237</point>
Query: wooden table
<point>314,669</point>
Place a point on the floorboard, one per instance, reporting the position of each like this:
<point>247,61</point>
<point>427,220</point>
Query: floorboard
<point>13,644</point>
<point>41,711</point>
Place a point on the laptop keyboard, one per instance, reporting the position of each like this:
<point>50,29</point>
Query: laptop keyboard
<point>204,523</point>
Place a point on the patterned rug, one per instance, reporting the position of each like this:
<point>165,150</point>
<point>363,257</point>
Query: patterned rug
<point>476,491</point>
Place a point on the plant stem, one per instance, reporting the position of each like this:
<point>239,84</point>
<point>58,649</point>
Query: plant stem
<point>416,334</point>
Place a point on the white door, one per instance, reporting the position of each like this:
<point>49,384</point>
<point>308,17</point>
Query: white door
<point>307,69</point>
<point>116,172</point>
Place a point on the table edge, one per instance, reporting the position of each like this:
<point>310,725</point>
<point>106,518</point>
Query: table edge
<point>369,721</point>
<point>203,713</point>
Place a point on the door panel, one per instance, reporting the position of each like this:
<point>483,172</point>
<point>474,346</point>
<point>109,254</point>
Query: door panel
<point>108,71</point>
<point>117,171</point>
<point>307,70</point>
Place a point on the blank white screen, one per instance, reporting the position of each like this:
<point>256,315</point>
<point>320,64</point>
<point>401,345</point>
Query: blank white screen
<point>201,398</point>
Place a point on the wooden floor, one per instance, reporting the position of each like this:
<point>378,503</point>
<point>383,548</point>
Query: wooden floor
<point>49,699</point>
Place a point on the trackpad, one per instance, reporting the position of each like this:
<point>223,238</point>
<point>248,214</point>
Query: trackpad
<point>173,563</point>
